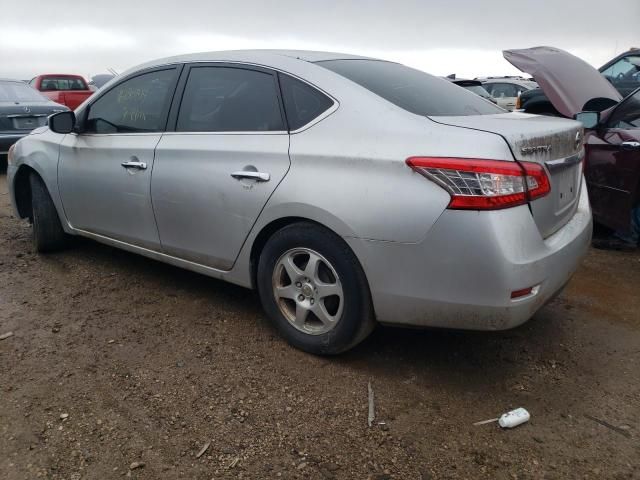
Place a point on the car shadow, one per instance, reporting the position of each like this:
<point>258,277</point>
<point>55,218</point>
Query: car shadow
<point>458,358</point>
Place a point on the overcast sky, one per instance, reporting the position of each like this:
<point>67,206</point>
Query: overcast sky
<point>441,37</point>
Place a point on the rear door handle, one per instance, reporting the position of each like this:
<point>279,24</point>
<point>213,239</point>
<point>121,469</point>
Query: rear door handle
<point>135,164</point>
<point>258,176</point>
<point>630,145</point>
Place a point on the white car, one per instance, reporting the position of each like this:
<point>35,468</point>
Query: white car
<point>346,190</point>
<point>506,90</point>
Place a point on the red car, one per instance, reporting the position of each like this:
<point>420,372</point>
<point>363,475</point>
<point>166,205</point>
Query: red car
<point>612,129</point>
<point>69,90</point>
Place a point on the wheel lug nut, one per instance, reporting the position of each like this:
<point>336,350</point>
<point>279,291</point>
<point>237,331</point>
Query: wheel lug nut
<point>298,284</point>
<point>301,297</point>
<point>312,301</point>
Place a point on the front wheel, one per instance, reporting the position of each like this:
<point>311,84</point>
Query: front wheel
<point>48,234</point>
<point>314,290</point>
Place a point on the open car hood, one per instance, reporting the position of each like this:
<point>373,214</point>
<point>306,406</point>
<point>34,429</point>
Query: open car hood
<point>568,81</point>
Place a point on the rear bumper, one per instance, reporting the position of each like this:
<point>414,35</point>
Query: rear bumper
<point>462,274</point>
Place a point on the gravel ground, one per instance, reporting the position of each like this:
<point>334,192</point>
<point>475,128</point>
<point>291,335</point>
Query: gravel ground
<point>122,366</point>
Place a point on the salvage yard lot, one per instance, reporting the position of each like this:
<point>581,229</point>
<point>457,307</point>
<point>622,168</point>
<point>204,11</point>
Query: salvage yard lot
<point>150,363</point>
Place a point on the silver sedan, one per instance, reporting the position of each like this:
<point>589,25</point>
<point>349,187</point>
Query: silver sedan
<point>346,190</point>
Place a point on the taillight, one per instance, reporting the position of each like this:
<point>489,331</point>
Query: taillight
<point>480,184</point>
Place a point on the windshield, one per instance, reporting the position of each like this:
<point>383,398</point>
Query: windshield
<point>627,114</point>
<point>627,68</point>
<point>19,92</point>
<point>413,90</point>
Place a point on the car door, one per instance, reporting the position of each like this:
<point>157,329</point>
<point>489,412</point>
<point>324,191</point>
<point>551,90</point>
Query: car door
<point>104,171</point>
<point>613,165</point>
<point>215,171</point>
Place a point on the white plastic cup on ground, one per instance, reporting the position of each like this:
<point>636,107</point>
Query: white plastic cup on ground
<point>514,418</point>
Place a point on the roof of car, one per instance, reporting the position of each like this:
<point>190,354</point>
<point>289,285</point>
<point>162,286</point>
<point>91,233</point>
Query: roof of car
<point>265,56</point>
<point>63,75</point>
<point>11,80</point>
<point>250,55</point>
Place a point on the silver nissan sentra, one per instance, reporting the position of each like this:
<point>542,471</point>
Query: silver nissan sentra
<point>346,190</point>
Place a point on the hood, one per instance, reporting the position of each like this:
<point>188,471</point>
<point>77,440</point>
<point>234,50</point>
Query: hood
<point>568,81</point>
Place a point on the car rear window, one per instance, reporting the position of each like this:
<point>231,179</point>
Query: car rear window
<point>19,92</point>
<point>413,90</point>
<point>63,83</point>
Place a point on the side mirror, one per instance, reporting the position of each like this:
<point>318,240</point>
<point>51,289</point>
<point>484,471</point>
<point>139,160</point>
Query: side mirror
<point>588,119</point>
<point>62,122</point>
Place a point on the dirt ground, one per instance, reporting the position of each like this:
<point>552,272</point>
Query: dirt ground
<point>117,359</point>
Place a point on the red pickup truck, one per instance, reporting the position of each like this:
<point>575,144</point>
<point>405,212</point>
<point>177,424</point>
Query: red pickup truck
<point>69,90</point>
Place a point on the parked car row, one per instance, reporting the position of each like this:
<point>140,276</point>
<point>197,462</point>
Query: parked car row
<point>506,90</point>
<point>21,110</point>
<point>346,190</point>
<point>26,105</point>
<point>69,90</point>
<point>474,86</point>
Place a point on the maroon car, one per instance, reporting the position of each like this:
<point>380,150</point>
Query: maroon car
<point>612,128</point>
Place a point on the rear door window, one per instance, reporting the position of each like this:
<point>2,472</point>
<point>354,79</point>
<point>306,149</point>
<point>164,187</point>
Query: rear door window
<point>302,102</point>
<point>228,99</point>
<point>139,104</point>
<point>413,90</point>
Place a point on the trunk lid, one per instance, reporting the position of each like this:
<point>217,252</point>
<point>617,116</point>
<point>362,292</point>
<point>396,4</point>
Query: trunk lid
<point>568,81</point>
<point>25,116</point>
<point>555,143</point>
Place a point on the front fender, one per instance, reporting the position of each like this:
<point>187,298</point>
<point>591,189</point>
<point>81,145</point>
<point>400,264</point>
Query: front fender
<point>38,152</point>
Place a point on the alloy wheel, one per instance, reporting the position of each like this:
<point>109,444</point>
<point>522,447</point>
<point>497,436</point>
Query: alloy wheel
<point>308,291</point>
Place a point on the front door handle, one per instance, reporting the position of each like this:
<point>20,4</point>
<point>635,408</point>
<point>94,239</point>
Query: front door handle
<point>630,145</point>
<point>135,164</point>
<point>259,176</point>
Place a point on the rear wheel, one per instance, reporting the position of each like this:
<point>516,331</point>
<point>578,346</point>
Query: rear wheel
<point>314,290</point>
<point>48,234</point>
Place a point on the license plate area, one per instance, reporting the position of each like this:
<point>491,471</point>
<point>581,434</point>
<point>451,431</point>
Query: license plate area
<point>566,186</point>
<point>28,123</point>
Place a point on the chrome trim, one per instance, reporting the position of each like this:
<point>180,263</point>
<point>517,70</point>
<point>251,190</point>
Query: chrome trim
<point>128,134</point>
<point>135,164</point>
<point>27,115</point>
<point>630,145</point>
<point>562,163</point>
<point>319,118</point>
<point>258,132</point>
<point>258,176</point>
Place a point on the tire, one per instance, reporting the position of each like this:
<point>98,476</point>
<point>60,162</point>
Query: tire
<point>335,293</point>
<point>48,235</point>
